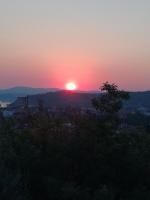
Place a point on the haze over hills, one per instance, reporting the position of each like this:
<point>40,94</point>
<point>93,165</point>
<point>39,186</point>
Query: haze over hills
<point>56,97</point>
<point>61,98</point>
<point>11,94</point>
<point>139,99</point>
<point>81,99</point>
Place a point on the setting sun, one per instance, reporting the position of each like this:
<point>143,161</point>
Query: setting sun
<point>71,86</point>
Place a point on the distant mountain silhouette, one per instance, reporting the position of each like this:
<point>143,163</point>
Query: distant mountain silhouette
<point>11,94</point>
<point>60,99</point>
<point>81,99</point>
<point>139,99</point>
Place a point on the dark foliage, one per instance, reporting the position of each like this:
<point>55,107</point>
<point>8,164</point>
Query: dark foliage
<point>88,158</point>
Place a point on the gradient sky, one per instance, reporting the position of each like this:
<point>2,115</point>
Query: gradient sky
<point>46,43</point>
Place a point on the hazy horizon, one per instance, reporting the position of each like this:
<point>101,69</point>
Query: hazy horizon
<point>86,90</point>
<point>49,43</point>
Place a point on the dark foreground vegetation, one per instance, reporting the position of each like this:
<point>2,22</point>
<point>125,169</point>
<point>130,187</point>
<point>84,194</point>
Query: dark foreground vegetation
<point>91,157</point>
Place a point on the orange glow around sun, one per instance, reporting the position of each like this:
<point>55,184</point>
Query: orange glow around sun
<point>71,86</point>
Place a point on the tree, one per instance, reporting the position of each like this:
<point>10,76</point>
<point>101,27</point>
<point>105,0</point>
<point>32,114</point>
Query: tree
<point>109,103</point>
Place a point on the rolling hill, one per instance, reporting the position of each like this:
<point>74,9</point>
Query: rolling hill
<point>81,99</point>
<point>59,99</point>
<point>11,94</point>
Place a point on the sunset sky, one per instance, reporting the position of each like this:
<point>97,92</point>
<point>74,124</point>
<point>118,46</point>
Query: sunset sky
<point>47,43</point>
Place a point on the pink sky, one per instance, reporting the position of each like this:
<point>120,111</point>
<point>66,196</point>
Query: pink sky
<point>47,43</point>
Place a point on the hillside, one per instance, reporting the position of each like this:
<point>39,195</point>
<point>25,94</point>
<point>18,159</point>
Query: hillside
<point>11,94</point>
<point>138,99</point>
<point>81,99</point>
<point>59,99</point>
